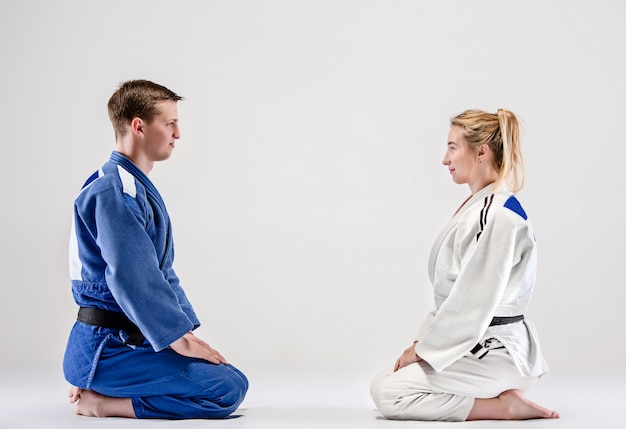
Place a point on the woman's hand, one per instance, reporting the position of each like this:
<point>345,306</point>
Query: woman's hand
<point>191,346</point>
<point>408,357</point>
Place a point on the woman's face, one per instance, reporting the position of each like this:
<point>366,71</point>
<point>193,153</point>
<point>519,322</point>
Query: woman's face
<point>459,158</point>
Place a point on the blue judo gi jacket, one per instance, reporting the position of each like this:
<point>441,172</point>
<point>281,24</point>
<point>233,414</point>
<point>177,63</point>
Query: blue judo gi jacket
<point>121,256</point>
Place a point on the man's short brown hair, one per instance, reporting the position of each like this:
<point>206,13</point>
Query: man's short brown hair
<point>137,99</point>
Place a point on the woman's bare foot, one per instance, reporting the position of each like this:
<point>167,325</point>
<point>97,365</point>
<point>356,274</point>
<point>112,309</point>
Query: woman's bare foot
<point>92,404</point>
<point>523,409</point>
<point>510,405</point>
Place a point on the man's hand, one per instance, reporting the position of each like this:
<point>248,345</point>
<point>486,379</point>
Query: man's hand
<point>408,357</point>
<point>191,346</point>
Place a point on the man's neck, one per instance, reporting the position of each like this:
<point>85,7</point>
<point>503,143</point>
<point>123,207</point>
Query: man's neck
<point>136,157</point>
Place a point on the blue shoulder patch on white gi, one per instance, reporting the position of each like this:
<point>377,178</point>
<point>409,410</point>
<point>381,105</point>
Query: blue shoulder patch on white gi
<point>514,205</point>
<point>128,182</point>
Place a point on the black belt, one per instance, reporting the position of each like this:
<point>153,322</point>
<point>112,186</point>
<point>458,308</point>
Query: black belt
<point>506,320</point>
<point>496,321</point>
<point>112,320</point>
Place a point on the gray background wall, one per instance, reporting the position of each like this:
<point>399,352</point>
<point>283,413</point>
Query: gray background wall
<point>307,187</point>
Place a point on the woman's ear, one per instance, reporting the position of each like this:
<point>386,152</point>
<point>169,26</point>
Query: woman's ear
<point>482,151</point>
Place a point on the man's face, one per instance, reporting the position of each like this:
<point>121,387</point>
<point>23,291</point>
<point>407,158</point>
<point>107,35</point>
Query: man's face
<point>161,134</point>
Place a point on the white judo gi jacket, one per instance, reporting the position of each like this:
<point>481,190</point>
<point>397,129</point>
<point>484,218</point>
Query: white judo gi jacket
<point>483,264</point>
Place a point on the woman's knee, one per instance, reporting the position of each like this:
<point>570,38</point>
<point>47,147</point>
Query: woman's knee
<point>396,403</point>
<point>385,397</point>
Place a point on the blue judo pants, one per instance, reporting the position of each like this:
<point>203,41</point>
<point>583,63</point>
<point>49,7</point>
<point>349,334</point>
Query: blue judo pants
<point>167,385</point>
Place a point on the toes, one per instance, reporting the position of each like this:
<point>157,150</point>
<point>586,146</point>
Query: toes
<point>74,394</point>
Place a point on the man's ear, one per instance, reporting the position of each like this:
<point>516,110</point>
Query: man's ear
<point>136,126</point>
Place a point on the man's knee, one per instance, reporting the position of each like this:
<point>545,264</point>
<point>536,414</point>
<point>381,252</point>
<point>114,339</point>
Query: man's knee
<point>238,392</point>
<point>234,390</point>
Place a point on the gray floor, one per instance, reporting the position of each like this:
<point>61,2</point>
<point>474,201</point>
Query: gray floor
<point>38,399</point>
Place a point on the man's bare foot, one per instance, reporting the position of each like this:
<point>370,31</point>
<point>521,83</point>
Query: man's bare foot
<point>74,394</point>
<point>92,404</point>
<point>510,405</point>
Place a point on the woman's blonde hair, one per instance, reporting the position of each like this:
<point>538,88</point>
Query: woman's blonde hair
<point>501,131</point>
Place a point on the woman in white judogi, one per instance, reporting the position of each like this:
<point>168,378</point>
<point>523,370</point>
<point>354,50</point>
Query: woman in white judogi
<point>475,353</point>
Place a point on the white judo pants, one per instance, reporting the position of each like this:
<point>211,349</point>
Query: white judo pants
<point>418,392</point>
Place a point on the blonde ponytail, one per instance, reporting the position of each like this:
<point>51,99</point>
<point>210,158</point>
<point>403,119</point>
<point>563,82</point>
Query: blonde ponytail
<point>512,168</point>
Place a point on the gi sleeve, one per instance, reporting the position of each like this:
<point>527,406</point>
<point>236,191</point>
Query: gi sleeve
<point>183,301</point>
<point>425,324</point>
<point>462,319</point>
